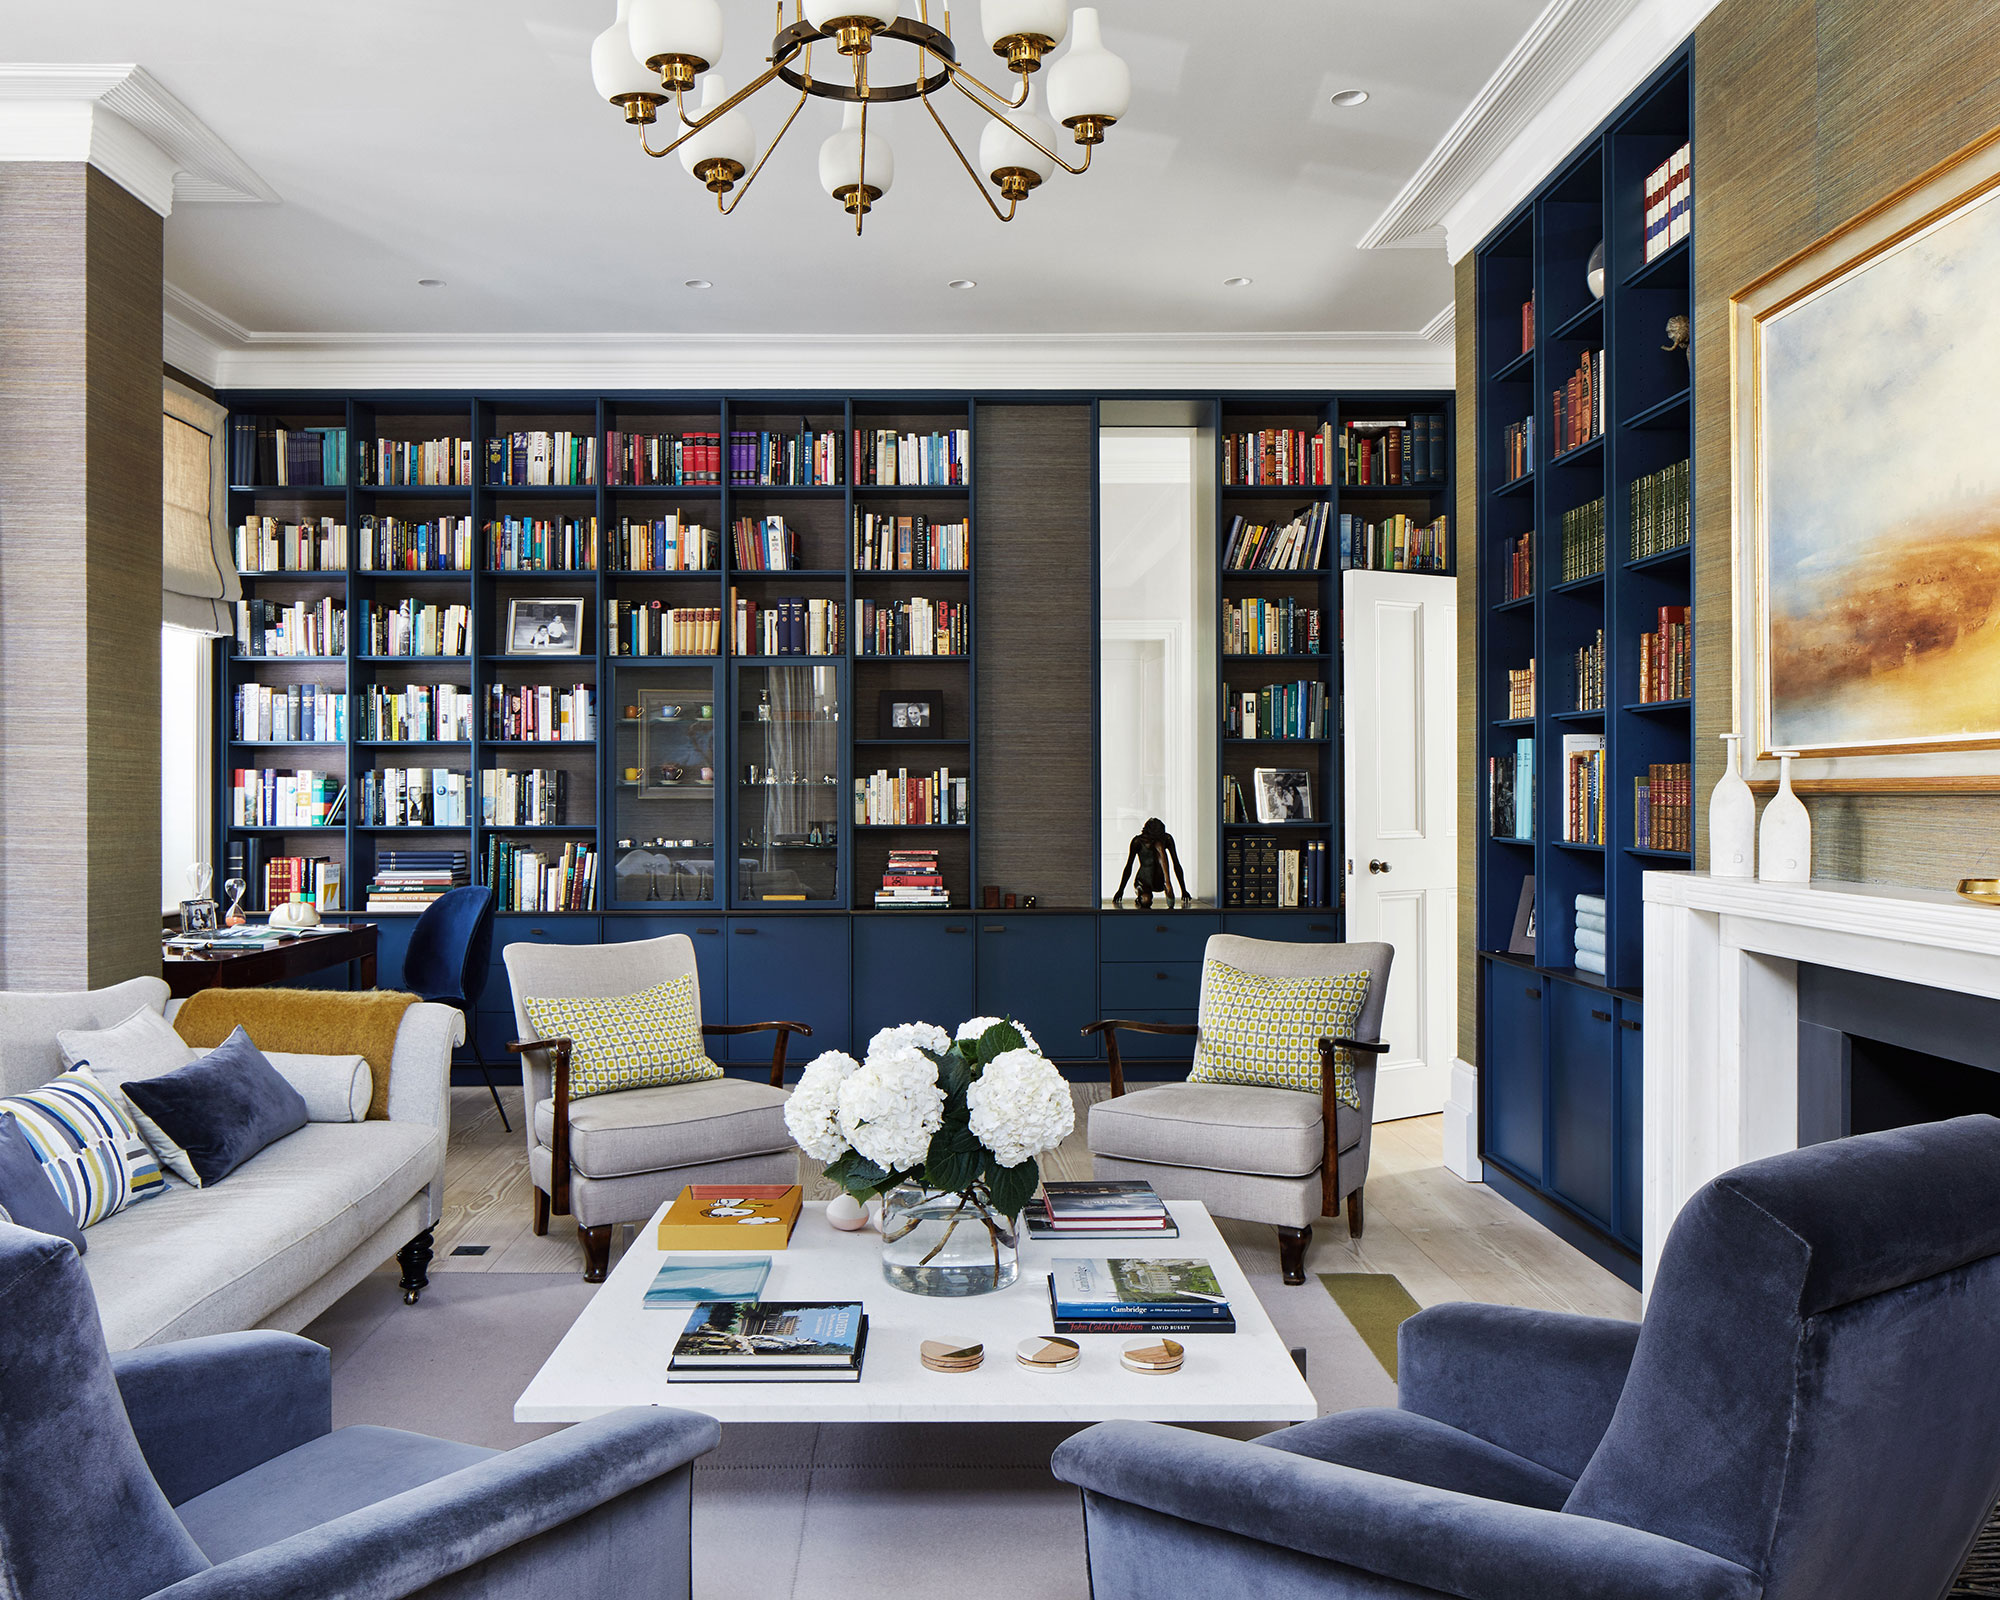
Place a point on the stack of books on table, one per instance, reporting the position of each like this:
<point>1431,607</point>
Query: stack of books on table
<point>1128,1296</point>
<point>731,1216</point>
<point>771,1341</point>
<point>912,881</point>
<point>1121,1210</point>
<point>409,880</point>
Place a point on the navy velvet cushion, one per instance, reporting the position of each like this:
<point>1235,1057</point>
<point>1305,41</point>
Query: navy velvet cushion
<point>223,1108</point>
<point>26,1194</point>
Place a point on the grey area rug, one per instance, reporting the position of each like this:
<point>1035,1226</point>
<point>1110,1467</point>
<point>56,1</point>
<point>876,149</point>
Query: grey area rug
<point>783,1511</point>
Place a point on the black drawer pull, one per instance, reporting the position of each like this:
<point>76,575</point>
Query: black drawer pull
<point>1319,927</point>
<point>959,928</point>
<point>1534,994</point>
<point>539,933</point>
<point>710,931</point>
<point>740,932</point>
<point>1627,1022</point>
<point>1159,927</point>
<point>993,928</point>
<point>1161,976</point>
<point>1600,1016</point>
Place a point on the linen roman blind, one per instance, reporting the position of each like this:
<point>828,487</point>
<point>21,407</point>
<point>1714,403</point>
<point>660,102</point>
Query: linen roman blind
<point>198,561</point>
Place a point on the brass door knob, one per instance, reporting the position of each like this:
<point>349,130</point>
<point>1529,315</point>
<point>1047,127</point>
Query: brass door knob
<point>1378,866</point>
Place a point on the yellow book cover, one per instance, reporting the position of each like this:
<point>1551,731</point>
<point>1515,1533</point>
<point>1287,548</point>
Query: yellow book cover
<point>722,1216</point>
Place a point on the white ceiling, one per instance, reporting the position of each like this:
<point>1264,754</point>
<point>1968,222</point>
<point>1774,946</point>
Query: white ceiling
<point>461,139</point>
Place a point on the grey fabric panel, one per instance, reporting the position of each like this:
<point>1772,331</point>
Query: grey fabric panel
<point>303,1309</point>
<point>420,1082</point>
<point>1282,1202</point>
<point>1268,958</point>
<point>1035,612</point>
<point>29,1022</point>
<point>1233,1127</point>
<point>642,1130</point>
<point>220,1259</point>
<point>596,1202</point>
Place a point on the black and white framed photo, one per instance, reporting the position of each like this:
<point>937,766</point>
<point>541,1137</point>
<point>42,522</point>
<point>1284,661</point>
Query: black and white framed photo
<point>551,627</point>
<point>912,714</point>
<point>1522,940</point>
<point>1284,794</point>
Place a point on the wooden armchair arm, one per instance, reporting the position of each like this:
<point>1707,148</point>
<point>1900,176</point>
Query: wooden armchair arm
<point>558,1050</point>
<point>1329,1107</point>
<point>1109,1028</point>
<point>784,1031</point>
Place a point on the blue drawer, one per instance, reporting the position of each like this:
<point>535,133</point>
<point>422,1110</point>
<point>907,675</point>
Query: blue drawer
<point>1149,936</point>
<point>1155,1046</point>
<point>788,968</point>
<point>1286,927</point>
<point>711,948</point>
<point>1042,968</point>
<point>1128,987</point>
<point>913,967</point>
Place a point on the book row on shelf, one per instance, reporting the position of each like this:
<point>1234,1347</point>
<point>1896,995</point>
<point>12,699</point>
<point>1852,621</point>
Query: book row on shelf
<point>910,544</point>
<point>1510,790</point>
<point>541,713</point>
<point>1663,807</point>
<point>1590,675</point>
<point>1517,449</point>
<point>269,797</point>
<point>1668,198</point>
<point>1583,540</point>
<point>409,880</point>
<point>1394,452</point>
<point>535,878</point>
<point>1397,543</point>
<point>318,881</point>
<point>912,881</point>
<point>915,626</point>
<point>1297,546</point>
<point>1666,657</point>
<point>790,626</point>
<point>885,457</point>
<point>1583,788</point>
<point>1528,324</point>
<point>439,712</point>
<point>1258,627</point>
<point>663,460</point>
<point>267,544</point>
<point>394,544</point>
<point>414,628</point>
<point>542,544</point>
<point>261,451</point>
<point>1660,507</point>
<point>921,799</point>
<point>289,714</point>
<point>652,628</point>
<point>764,544</point>
<point>1576,410</point>
<point>806,459</point>
<point>1521,690</point>
<point>1521,566</point>
<point>1589,934</point>
<point>667,544</point>
<point>1300,710</point>
<point>541,459</point>
<point>1258,869</point>
<point>1384,452</point>
<point>415,797</point>
<point>300,628</point>
<point>441,463</point>
<point>524,797</point>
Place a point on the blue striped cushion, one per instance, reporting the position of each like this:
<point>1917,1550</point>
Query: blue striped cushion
<point>87,1145</point>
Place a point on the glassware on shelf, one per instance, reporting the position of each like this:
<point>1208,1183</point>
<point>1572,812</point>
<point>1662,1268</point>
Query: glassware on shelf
<point>788,795</point>
<point>663,772</point>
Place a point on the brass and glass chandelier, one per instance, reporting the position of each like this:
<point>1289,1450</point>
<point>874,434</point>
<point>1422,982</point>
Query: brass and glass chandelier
<point>647,61</point>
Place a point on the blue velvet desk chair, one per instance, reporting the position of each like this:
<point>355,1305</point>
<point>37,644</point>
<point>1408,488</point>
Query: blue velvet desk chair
<point>210,1470</point>
<point>449,950</point>
<point>1810,1411</point>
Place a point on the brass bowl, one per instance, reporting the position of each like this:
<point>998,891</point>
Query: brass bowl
<point>1986,891</point>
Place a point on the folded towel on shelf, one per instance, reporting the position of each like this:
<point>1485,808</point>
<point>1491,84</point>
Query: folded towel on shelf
<point>1591,902</point>
<point>1591,939</point>
<point>1590,919</point>
<point>1590,961</point>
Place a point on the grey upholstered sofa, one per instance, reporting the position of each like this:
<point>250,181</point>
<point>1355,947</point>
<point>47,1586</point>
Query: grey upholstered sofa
<point>289,1232</point>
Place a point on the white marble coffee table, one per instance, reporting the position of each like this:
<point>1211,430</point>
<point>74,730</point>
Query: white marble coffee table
<point>616,1353</point>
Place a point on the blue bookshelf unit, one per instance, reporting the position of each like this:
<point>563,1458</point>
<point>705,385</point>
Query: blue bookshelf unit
<point>1560,1046</point>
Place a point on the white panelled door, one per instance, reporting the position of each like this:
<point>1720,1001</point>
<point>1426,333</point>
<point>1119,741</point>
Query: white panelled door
<point>1399,660</point>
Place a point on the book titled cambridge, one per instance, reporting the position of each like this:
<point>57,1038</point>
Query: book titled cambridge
<point>771,1341</point>
<point>1095,1295</point>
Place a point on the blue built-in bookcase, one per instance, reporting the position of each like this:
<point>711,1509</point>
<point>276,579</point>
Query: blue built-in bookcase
<point>1559,1046</point>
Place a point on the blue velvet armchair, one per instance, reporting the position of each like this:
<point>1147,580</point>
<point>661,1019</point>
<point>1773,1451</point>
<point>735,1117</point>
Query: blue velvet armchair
<point>211,1470</point>
<point>1810,1409</point>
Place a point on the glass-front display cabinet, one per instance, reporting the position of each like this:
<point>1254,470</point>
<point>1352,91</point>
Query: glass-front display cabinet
<point>789,812</point>
<point>664,774</point>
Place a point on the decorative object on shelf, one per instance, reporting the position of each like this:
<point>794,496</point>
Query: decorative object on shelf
<point>1027,902</point>
<point>1159,864</point>
<point>1784,836</point>
<point>236,889</point>
<point>946,1130</point>
<point>1593,271</point>
<point>297,912</point>
<point>1007,900</point>
<point>846,1213</point>
<point>1521,942</point>
<point>657,50</point>
<point>989,897</point>
<point>1284,794</point>
<point>1680,335</point>
<point>909,715</point>
<point>1732,820</point>
<point>1982,891</point>
<point>548,627</point>
<point>198,912</point>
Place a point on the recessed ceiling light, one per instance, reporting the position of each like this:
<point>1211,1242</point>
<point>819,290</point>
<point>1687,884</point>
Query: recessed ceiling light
<point>697,283</point>
<point>1235,283</point>
<point>1351,97</point>
<point>430,283</point>
<point>963,283</point>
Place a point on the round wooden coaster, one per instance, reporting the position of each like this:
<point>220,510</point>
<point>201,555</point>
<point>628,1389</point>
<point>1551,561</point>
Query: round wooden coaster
<point>941,1356</point>
<point>1152,1354</point>
<point>1051,1351</point>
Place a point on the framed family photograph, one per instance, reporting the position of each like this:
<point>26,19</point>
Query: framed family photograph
<point>1284,794</point>
<point>1867,515</point>
<point>912,714</point>
<point>545,627</point>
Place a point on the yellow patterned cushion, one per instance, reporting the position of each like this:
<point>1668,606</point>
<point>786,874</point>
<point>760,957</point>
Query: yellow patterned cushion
<point>1266,1031</point>
<point>627,1041</point>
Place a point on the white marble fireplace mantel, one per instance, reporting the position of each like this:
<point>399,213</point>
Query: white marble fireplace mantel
<point>1722,1017</point>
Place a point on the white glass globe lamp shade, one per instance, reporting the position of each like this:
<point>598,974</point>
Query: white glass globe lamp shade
<point>1013,163</point>
<point>620,76</point>
<point>840,164</point>
<point>1022,30</point>
<point>723,151</point>
<point>1090,88</point>
<point>678,39</point>
<point>852,23</point>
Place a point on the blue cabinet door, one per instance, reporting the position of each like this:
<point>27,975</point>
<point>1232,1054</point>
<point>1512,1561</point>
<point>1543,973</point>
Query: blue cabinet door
<point>913,968</point>
<point>1631,1121</point>
<point>1583,1129</point>
<point>1511,1069</point>
<point>1043,970</point>
<point>711,945</point>
<point>787,968</point>
<point>1320,926</point>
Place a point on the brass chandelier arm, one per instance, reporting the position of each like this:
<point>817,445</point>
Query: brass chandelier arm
<point>999,115</point>
<point>730,209</point>
<point>970,171</point>
<point>695,127</point>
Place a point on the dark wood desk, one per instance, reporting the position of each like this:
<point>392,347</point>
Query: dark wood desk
<point>189,971</point>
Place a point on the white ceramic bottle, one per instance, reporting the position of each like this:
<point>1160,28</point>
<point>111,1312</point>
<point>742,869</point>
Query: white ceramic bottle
<point>1784,837</point>
<point>1732,820</point>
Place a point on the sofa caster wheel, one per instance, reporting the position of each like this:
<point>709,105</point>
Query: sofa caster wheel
<point>410,1296</point>
<point>415,1258</point>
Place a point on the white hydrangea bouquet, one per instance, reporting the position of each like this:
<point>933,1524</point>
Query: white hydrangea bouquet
<point>964,1117</point>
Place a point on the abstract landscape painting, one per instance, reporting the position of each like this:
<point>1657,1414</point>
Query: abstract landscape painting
<point>1879,499</point>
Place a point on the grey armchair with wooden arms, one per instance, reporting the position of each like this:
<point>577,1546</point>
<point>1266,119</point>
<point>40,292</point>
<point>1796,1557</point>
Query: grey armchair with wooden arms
<point>612,1158</point>
<point>1260,1154</point>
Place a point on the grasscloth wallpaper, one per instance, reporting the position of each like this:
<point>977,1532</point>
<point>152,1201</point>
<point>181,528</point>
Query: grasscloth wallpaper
<point>1806,112</point>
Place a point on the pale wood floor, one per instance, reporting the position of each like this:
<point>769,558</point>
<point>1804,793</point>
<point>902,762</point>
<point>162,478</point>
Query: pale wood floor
<point>1444,1238</point>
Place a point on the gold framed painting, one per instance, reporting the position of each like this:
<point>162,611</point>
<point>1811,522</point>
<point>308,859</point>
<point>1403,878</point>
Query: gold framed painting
<point>1865,418</point>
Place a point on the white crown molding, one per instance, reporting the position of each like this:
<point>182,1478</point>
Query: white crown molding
<point>1440,328</point>
<point>119,119</point>
<point>1574,65</point>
